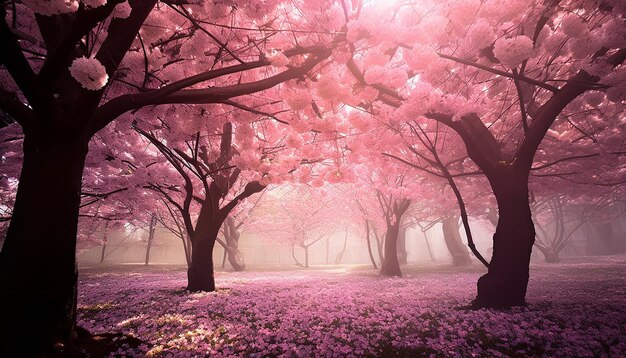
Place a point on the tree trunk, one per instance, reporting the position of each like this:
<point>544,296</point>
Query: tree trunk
<point>507,279</point>
<point>327,251</point>
<point>295,258</point>
<point>306,256</point>
<point>549,255</point>
<point>343,250</point>
<point>232,235</point>
<point>38,260</point>
<point>402,253</point>
<point>200,275</point>
<point>104,242</point>
<point>391,265</point>
<point>430,250</point>
<point>369,245</point>
<point>151,230</point>
<point>452,238</point>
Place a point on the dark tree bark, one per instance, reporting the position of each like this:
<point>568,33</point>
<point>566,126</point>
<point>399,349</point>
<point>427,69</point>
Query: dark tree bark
<point>452,238</point>
<point>200,273</point>
<point>38,261</point>
<point>505,283</point>
<point>151,229</point>
<point>391,265</point>
<point>105,239</point>
<point>58,121</point>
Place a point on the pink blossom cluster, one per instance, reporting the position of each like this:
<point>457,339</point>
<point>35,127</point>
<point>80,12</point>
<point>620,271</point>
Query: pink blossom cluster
<point>574,310</point>
<point>89,72</point>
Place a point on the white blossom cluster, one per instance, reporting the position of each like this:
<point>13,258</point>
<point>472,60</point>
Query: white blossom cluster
<point>513,51</point>
<point>89,72</point>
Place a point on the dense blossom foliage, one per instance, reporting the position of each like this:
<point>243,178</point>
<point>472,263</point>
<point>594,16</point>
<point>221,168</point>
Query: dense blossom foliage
<point>399,100</point>
<point>575,310</point>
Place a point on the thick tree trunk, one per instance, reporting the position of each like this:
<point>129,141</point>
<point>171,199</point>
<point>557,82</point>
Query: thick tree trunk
<point>507,279</point>
<point>402,253</point>
<point>452,238</point>
<point>38,260</point>
<point>200,273</point>
<point>391,265</point>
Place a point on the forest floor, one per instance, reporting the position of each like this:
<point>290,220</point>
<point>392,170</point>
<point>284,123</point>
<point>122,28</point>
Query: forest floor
<point>576,308</point>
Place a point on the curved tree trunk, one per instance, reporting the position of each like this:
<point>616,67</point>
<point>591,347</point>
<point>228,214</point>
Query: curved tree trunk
<point>38,260</point>
<point>452,238</point>
<point>507,279</point>
<point>232,235</point>
<point>391,265</point>
<point>295,258</point>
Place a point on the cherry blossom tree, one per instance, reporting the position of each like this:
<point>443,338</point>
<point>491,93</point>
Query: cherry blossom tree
<point>299,216</point>
<point>499,77</point>
<point>71,68</point>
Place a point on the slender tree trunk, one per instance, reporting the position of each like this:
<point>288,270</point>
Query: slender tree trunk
<point>343,250</point>
<point>507,279</point>
<point>327,251</point>
<point>402,253</point>
<point>103,251</point>
<point>232,235</point>
<point>224,257</point>
<point>430,250</point>
<point>391,265</point>
<point>306,256</point>
<point>151,230</point>
<point>452,238</point>
<point>369,245</point>
<point>295,258</point>
<point>379,246</point>
<point>38,260</point>
<point>104,242</point>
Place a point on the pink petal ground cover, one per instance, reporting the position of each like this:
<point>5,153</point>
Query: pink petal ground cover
<point>575,309</point>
